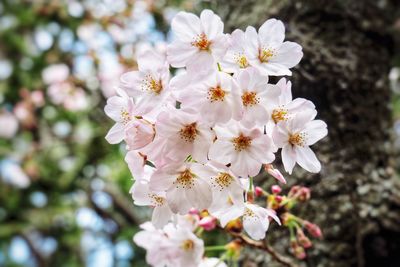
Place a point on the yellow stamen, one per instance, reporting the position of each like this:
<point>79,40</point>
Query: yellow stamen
<point>241,142</point>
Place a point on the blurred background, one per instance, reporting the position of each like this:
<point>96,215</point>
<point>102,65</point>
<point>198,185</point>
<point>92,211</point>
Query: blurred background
<point>64,197</point>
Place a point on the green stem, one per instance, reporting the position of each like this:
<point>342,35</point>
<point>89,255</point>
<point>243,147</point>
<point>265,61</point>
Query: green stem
<point>215,248</point>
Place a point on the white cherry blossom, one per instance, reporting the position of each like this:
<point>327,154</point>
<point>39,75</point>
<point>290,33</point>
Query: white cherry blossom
<point>267,51</point>
<point>199,42</point>
<point>185,184</point>
<point>295,138</point>
<point>246,149</point>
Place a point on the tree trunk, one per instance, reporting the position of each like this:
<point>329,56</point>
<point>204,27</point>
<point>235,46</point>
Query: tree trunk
<point>347,54</point>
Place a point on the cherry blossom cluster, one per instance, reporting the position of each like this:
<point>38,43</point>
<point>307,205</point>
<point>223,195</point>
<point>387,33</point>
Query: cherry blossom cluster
<point>197,139</point>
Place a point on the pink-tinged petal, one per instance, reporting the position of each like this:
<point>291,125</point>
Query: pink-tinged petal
<point>301,119</point>
<point>286,91</point>
<point>200,195</point>
<point>212,24</point>
<point>131,82</point>
<point>161,216</point>
<point>186,26</point>
<point>178,54</point>
<point>140,193</point>
<point>307,160</point>
<point>114,107</point>
<point>288,158</point>
<point>299,104</point>
<point>289,54</point>
<point>275,173</point>
<point>244,165</point>
<point>280,134</point>
<point>219,47</point>
<point>221,151</point>
<point>161,181</point>
<point>226,215</point>
<point>201,62</point>
<point>236,194</point>
<point>149,59</point>
<point>255,227</point>
<point>272,33</point>
<point>136,164</point>
<point>316,130</point>
<point>252,43</point>
<point>116,134</point>
<point>262,148</point>
<point>271,213</point>
<point>177,201</point>
<point>200,148</point>
<point>271,68</point>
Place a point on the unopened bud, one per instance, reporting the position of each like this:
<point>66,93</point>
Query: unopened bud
<point>258,191</point>
<point>313,229</point>
<point>194,211</point>
<point>304,194</point>
<point>304,241</point>
<point>278,199</point>
<point>276,189</point>
<point>274,173</point>
<point>208,223</point>
<point>293,191</point>
<point>298,250</point>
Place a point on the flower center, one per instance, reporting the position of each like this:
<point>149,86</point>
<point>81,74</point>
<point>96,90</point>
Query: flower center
<point>125,116</point>
<point>185,179</point>
<point>279,114</point>
<point>265,55</point>
<point>297,139</point>
<point>250,99</point>
<point>189,132</point>
<point>216,94</point>
<point>187,245</point>
<point>157,200</point>
<point>249,213</point>
<point>201,42</point>
<point>241,142</point>
<point>152,85</point>
<point>223,180</point>
<point>241,60</point>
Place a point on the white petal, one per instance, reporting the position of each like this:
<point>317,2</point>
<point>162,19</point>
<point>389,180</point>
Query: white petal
<point>288,158</point>
<point>212,24</point>
<point>161,216</point>
<point>289,54</point>
<point>221,151</point>
<point>316,130</point>
<point>186,26</point>
<point>200,196</point>
<point>272,33</point>
<point>177,201</point>
<point>255,227</point>
<point>116,134</point>
<point>307,159</point>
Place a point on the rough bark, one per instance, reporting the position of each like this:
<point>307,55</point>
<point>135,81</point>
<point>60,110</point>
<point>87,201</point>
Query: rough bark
<point>347,53</point>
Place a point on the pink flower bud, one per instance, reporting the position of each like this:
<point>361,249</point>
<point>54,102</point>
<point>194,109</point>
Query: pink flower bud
<point>276,189</point>
<point>278,199</point>
<point>194,211</point>
<point>208,223</point>
<point>258,191</point>
<point>297,250</point>
<point>304,241</point>
<point>138,134</point>
<point>313,229</point>
<point>274,173</point>
<point>304,194</point>
<point>293,191</point>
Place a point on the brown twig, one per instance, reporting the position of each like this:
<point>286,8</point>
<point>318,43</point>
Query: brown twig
<point>265,247</point>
